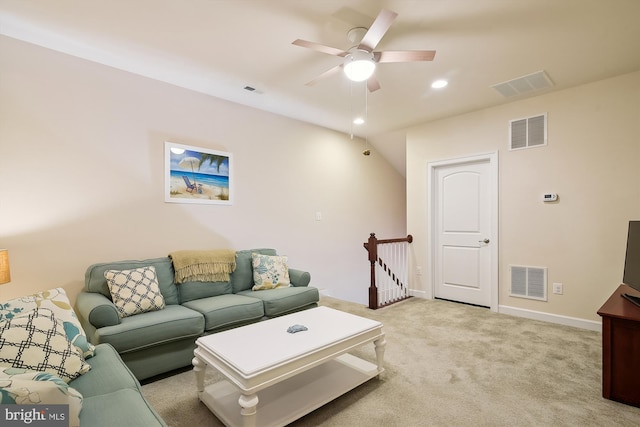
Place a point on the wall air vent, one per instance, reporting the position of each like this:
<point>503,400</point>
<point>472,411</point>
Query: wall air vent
<point>529,83</point>
<point>528,132</point>
<point>528,282</point>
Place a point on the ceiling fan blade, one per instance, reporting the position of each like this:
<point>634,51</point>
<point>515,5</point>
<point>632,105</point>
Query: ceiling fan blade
<point>404,55</point>
<point>373,84</point>
<point>324,75</point>
<point>320,47</point>
<point>377,30</point>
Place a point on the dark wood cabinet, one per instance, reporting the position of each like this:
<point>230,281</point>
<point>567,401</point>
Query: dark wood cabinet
<point>621,348</point>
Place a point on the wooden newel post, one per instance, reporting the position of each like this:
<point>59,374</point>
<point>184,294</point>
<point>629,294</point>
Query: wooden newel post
<point>372,247</point>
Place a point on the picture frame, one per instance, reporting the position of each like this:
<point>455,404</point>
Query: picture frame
<point>197,175</point>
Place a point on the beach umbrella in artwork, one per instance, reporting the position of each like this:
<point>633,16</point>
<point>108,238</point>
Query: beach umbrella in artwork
<point>190,163</point>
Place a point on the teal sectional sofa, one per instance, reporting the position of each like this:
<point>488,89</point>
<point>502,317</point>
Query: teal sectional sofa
<point>157,342</point>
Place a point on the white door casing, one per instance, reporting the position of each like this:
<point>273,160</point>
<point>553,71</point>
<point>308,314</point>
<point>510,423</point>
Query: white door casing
<point>463,224</point>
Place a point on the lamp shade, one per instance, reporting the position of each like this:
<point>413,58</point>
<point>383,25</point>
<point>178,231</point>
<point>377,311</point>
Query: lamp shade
<point>359,65</point>
<point>5,273</point>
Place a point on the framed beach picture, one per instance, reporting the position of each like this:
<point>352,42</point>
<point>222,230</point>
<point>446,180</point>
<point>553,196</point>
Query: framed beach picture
<point>197,175</point>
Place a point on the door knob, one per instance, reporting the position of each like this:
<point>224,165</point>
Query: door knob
<point>486,241</point>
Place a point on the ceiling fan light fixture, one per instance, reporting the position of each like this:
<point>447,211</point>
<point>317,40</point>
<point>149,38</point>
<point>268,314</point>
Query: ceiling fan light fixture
<point>359,65</point>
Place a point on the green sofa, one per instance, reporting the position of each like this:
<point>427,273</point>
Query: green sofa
<point>111,393</point>
<point>157,342</point>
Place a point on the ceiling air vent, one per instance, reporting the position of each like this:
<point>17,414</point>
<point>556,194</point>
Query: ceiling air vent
<point>252,89</point>
<point>528,282</point>
<point>528,132</point>
<point>531,82</point>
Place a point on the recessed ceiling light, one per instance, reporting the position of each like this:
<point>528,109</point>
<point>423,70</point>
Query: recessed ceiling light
<point>439,84</point>
<point>358,121</point>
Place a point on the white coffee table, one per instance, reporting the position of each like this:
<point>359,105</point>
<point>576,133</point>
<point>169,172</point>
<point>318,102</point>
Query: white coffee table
<point>277,377</point>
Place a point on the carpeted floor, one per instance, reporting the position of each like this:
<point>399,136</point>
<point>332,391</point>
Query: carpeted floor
<point>450,364</point>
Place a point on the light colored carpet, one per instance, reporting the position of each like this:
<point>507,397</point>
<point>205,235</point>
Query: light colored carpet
<point>450,364</point>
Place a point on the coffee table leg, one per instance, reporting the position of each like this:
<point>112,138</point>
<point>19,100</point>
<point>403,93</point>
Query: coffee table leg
<point>248,403</point>
<point>380,344</point>
<point>198,368</point>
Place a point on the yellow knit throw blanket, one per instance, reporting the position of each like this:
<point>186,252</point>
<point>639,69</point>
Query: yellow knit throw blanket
<point>203,266</point>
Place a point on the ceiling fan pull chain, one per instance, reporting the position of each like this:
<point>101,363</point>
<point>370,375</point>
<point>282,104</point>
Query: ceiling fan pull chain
<point>351,104</point>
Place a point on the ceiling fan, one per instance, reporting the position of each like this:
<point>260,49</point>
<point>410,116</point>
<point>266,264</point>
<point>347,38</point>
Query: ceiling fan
<point>360,60</point>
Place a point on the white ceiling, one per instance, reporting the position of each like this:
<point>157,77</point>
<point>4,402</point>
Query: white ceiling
<point>220,46</point>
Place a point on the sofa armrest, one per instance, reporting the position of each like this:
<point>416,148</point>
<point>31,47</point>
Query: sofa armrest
<point>97,309</point>
<point>299,277</point>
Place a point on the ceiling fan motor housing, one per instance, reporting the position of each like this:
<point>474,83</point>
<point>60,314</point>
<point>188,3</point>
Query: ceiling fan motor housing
<point>356,34</point>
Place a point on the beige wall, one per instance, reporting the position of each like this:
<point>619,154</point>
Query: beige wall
<point>81,178</point>
<point>592,161</point>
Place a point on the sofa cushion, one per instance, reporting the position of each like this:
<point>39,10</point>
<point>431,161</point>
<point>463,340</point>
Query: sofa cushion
<point>242,277</point>
<point>119,408</point>
<point>37,341</point>
<point>189,291</point>
<point>283,300</point>
<point>227,310</point>
<point>57,301</point>
<point>134,291</point>
<point>174,322</point>
<point>96,282</point>
<point>269,272</point>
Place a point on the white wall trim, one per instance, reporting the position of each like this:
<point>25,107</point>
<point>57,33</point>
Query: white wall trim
<point>591,325</point>
<point>419,293</point>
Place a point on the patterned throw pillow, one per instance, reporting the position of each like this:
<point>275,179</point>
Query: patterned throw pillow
<point>37,341</point>
<point>55,300</point>
<point>134,291</point>
<point>270,272</point>
<point>24,387</point>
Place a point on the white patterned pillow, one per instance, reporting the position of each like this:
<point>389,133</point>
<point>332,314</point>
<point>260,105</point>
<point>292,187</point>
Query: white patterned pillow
<point>24,387</point>
<point>57,301</point>
<point>134,291</point>
<point>270,272</point>
<point>37,341</point>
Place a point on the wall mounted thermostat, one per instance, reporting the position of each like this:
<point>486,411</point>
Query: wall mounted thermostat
<point>550,197</point>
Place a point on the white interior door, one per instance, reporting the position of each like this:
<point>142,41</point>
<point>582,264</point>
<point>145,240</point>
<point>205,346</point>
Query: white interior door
<point>464,231</point>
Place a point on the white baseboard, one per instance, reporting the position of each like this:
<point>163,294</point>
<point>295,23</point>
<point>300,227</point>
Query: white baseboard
<point>591,325</point>
<point>418,293</point>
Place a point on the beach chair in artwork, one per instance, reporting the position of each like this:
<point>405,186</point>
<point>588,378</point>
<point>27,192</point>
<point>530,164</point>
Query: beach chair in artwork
<point>190,187</point>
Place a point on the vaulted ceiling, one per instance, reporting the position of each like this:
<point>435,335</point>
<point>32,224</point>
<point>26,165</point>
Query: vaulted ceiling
<point>219,47</point>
